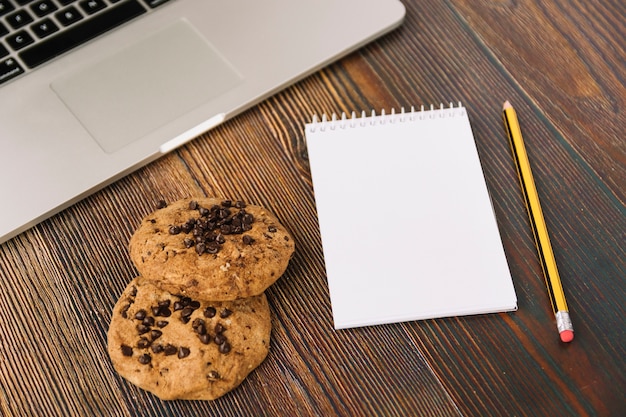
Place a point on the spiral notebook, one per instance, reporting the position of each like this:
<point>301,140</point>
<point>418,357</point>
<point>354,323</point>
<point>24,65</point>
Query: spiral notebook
<point>408,230</point>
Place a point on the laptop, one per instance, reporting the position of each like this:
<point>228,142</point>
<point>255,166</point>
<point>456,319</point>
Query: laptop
<point>91,90</point>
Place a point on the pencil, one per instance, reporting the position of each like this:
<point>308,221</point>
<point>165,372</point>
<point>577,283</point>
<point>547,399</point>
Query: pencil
<point>538,224</point>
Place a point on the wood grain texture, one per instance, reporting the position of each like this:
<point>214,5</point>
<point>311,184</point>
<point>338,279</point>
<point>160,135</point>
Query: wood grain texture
<point>560,63</point>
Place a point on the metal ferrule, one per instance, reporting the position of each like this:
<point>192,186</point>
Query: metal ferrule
<point>563,321</point>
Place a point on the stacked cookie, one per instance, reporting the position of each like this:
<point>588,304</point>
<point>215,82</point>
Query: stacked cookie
<point>196,321</point>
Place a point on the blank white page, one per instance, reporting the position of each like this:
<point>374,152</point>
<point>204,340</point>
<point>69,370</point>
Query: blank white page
<point>407,226</point>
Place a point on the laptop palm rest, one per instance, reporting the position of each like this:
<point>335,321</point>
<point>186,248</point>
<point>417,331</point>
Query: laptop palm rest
<point>146,85</point>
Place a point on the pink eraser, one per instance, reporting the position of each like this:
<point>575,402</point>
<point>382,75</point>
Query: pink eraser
<point>567,335</point>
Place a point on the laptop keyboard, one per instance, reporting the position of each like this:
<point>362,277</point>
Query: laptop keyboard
<point>32,32</point>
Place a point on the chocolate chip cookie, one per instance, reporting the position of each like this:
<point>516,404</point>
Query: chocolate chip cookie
<point>211,249</point>
<point>180,348</point>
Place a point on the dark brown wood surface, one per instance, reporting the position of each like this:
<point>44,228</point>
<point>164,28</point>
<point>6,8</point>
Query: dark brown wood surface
<point>562,64</point>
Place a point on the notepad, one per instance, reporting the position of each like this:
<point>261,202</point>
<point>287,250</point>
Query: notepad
<point>408,230</point>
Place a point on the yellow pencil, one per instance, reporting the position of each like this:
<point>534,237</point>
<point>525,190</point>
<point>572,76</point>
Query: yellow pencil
<point>538,224</point>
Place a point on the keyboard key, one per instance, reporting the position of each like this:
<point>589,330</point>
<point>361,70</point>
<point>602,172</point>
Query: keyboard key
<point>66,2</point>
<point>3,29</point>
<point>68,16</point>
<point>92,6</point>
<point>19,40</point>
<point>23,2</point>
<point>44,28</point>
<point>43,7</point>
<point>6,7</point>
<point>75,35</point>
<point>19,19</point>
<point>3,51</point>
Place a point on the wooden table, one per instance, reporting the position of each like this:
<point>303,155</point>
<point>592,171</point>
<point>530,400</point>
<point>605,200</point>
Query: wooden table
<point>563,66</point>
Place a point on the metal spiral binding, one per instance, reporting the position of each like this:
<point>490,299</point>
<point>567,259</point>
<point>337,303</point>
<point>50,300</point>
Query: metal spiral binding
<point>373,119</point>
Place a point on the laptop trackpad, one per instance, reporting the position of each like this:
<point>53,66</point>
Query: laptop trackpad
<point>146,85</point>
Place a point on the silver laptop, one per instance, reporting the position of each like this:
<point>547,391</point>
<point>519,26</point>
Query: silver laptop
<point>90,90</point>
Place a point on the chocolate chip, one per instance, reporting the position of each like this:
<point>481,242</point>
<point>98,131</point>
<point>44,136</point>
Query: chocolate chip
<point>194,304</point>
<point>183,352</point>
<point>219,328</point>
<point>187,226</point>
<point>198,326</point>
<point>169,350</point>
<point>224,347</point>
<point>141,314</point>
<point>148,321</point>
<point>187,311</point>
<point>212,247</point>
<point>143,343</point>
<point>155,334</point>
<point>225,313</point>
<point>174,230</point>
<point>124,311</point>
<point>240,204</point>
<point>224,213</point>
<point>127,350</point>
<point>178,305</point>
<point>161,311</point>
<point>189,242</point>
<point>248,240</point>
<point>209,312</point>
<point>219,339</point>
<point>161,204</point>
<point>271,229</point>
<point>145,359</point>
<point>200,248</point>
<point>205,338</point>
<point>142,328</point>
<point>193,205</point>
<point>213,375</point>
<point>157,348</point>
<point>162,323</point>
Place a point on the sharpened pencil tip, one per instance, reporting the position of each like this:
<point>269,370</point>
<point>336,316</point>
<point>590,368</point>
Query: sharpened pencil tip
<point>506,105</point>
